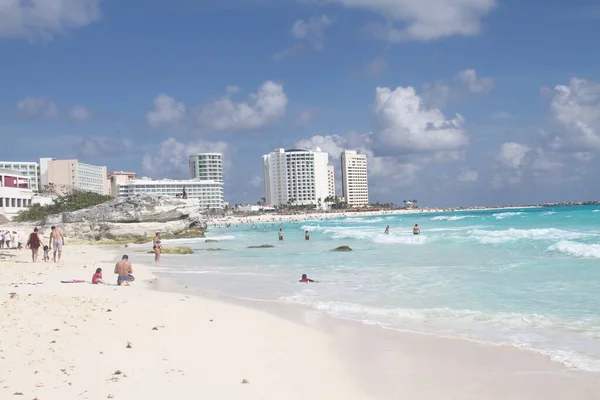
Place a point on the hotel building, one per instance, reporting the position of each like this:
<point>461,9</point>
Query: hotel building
<point>354,179</point>
<point>331,180</point>
<point>208,193</point>
<point>71,175</point>
<point>117,178</point>
<point>15,192</point>
<point>207,167</point>
<point>296,177</point>
<point>28,169</point>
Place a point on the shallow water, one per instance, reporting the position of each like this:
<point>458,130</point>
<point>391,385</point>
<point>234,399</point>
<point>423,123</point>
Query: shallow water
<point>526,277</point>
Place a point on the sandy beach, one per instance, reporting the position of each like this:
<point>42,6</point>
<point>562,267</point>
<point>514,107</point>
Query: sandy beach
<point>84,341</point>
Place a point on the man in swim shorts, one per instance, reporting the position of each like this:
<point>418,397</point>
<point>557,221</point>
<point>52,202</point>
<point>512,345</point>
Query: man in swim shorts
<point>56,242</point>
<point>124,269</point>
<point>416,229</point>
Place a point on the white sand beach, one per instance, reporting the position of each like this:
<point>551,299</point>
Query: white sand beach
<point>84,341</point>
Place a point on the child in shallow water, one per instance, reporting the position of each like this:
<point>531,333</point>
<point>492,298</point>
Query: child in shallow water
<point>46,254</point>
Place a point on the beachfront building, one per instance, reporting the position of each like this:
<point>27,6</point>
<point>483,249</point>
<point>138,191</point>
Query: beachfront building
<point>354,179</point>
<point>28,169</point>
<point>296,177</point>
<point>207,167</point>
<point>117,178</point>
<point>15,192</point>
<point>331,180</point>
<point>208,193</point>
<point>67,176</point>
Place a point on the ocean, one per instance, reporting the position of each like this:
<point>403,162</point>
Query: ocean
<point>527,277</point>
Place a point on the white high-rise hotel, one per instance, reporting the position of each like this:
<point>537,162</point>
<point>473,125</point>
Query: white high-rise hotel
<point>354,179</point>
<point>296,177</point>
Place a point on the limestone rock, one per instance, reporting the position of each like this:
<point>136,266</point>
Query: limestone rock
<point>342,248</point>
<point>264,246</point>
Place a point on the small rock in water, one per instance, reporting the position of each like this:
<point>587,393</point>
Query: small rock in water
<point>128,345</point>
<point>343,248</point>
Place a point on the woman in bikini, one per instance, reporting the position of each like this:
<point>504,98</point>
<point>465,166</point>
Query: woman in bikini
<point>34,242</point>
<point>156,247</point>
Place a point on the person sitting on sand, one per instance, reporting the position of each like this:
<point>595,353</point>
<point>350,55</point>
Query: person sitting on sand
<point>34,242</point>
<point>416,229</point>
<point>124,269</point>
<point>97,278</point>
<point>387,230</point>
<point>306,235</point>
<point>280,234</point>
<point>46,254</point>
<point>305,279</point>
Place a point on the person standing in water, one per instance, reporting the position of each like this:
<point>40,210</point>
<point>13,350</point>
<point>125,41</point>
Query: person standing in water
<point>156,246</point>
<point>416,229</point>
<point>387,230</point>
<point>306,235</point>
<point>280,234</point>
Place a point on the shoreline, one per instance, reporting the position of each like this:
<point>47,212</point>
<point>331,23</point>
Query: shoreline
<point>60,341</point>
<point>395,363</point>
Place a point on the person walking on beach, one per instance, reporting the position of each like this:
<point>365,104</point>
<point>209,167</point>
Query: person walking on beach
<point>2,239</point>
<point>280,234</point>
<point>124,269</point>
<point>56,242</point>
<point>34,242</point>
<point>156,246</point>
<point>416,229</point>
<point>306,235</point>
<point>387,230</point>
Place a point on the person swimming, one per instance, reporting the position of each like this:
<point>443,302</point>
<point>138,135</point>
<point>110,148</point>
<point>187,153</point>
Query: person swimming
<point>387,230</point>
<point>306,235</point>
<point>305,279</point>
<point>416,229</point>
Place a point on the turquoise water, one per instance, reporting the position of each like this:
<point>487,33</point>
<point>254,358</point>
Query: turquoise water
<point>525,277</point>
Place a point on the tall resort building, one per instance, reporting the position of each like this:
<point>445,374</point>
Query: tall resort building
<point>354,179</point>
<point>207,167</point>
<point>296,177</point>
<point>68,176</point>
<point>331,180</point>
<point>209,194</point>
<point>27,169</point>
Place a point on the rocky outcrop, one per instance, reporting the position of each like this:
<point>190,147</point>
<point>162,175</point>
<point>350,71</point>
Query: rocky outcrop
<point>211,241</point>
<point>134,220</point>
<point>264,246</point>
<point>342,248</point>
<point>175,250</point>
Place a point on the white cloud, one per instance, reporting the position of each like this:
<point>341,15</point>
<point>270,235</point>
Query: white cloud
<point>312,30</point>
<point>512,154</point>
<point>331,144</point>
<point>576,108</point>
<point>79,113</point>
<point>172,157</point>
<point>404,123</point>
<point>45,18</point>
<point>262,109</point>
<point>167,111</point>
<point>424,20</point>
<point>435,95</point>
<point>378,67</point>
<point>474,83</point>
<point>36,107</point>
<point>467,176</point>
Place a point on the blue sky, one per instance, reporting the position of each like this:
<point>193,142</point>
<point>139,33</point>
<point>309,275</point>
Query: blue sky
<point>456,102</point>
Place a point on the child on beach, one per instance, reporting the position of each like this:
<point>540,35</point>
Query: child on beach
<point>97,278</point>
<point>46,254</point>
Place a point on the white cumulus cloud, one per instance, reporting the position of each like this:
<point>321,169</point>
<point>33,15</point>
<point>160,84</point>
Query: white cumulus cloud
<point>475,83</point>
<point>36,107</point>
<point>512,154</point>
<point>45,18</point>
<point>262,109</point>
<point>424,20</point>
<point>312,30</point>
<point>404,123</point>
<point>467,176</point>
<point>166,111</point>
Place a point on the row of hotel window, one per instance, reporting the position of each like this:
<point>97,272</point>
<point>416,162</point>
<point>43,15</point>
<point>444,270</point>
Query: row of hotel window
<point>15,203</point>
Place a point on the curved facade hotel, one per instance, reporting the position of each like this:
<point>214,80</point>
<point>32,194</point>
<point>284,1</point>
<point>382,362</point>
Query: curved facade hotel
<point>208,193</point>
<point>207,167</point>
<point>296,177</point>
<point>15,192</point>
